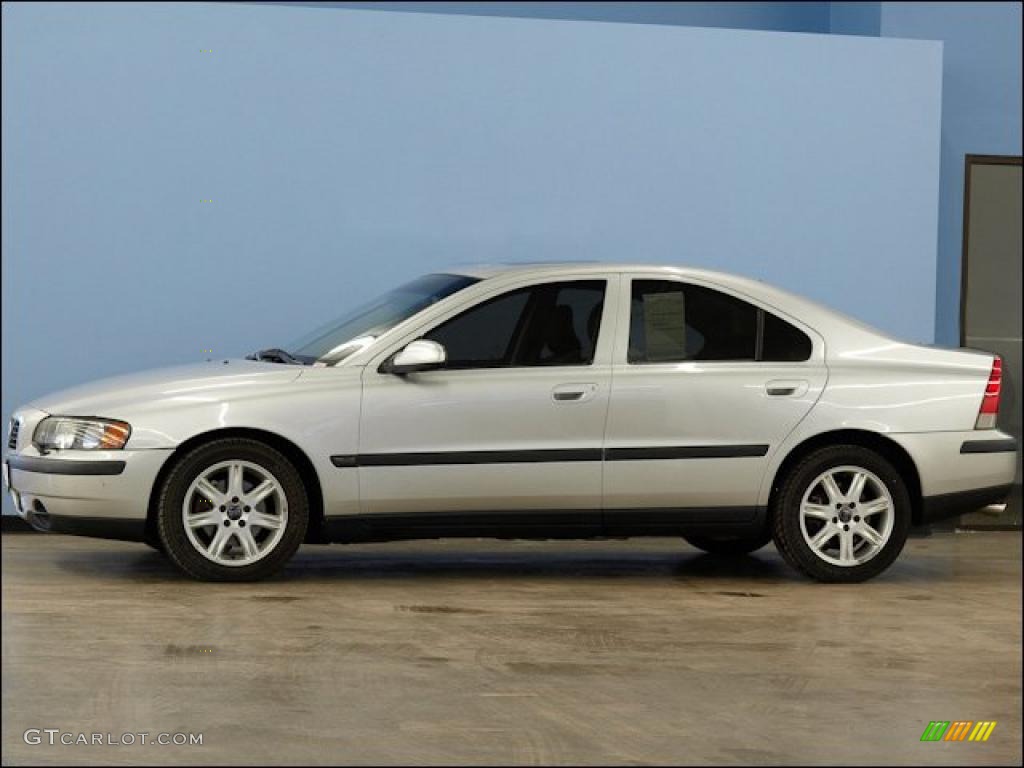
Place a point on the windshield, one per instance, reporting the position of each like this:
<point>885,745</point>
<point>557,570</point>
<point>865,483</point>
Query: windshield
<point>356,329</point>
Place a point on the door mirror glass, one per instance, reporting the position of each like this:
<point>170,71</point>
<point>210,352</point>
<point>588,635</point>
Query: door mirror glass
<point>420,355</point>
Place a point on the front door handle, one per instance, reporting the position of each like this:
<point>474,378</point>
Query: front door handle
<point>784,388</point>
<point>573,393</point>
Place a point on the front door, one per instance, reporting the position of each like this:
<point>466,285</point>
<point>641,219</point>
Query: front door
<point>706,386</point>
<point>514,421</point>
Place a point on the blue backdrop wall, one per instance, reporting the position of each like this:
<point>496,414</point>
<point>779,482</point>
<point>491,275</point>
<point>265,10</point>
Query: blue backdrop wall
<point>342,151</point>
<point>855,18</point>
<point>780,16</point>
<point>981,113</point>
<point>981,106</point>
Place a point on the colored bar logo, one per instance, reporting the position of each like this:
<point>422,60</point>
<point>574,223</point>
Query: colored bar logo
<point>958,730</point>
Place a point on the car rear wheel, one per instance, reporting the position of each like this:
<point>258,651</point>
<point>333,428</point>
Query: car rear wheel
<point>841,514</point>
<point>233,509</point>
<point>730,546</point>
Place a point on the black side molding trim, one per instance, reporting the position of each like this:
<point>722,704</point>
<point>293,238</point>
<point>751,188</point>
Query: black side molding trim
<point>685,452</point>
<point>1001,445</point>
<point>49,466</point>
<point>947,505</point>
<point>547,455</point>
<point>477,457</point>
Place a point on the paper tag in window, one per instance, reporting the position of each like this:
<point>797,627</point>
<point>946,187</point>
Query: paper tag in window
<point>665,326</point>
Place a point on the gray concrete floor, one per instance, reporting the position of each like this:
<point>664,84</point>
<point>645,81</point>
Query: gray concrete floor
<point>637,652</point>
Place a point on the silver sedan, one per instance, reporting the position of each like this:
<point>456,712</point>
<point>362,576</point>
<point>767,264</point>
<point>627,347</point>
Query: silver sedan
<point>532,401</point>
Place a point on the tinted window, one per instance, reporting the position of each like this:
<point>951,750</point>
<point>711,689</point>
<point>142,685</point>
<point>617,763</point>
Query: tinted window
<point>671,322</point>
<point>550,324</point>
<point>482,336</point>
<point>563,325</point>
<point>783,342</point>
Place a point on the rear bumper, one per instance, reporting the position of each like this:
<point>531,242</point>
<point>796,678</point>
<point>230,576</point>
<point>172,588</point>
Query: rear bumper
<point>956,462</point>
<point>962,471</point>
<point>91,493</point>
<point>935,508</point>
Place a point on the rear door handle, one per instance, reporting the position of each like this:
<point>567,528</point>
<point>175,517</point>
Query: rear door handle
<point>573,393</point>
<point>782,388</point>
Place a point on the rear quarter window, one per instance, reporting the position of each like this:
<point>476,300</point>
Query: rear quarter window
<point>783,342</point>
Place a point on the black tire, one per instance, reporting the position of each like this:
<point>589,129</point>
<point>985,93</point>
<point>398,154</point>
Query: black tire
<point>171,526</point>
<point>156,545</point>
<point>731,546</point>
<point>785,512</point>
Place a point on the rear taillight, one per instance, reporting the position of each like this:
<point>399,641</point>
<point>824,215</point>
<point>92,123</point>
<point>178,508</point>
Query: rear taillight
<point>990,401</point>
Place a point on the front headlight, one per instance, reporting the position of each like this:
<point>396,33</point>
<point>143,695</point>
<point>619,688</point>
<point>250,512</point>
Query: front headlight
<point>61,432</point>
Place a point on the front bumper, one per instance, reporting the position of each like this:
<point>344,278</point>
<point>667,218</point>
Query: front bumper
<point>93,493</point>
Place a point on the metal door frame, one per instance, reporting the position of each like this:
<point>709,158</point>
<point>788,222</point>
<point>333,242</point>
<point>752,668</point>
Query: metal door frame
<point>969,162</point>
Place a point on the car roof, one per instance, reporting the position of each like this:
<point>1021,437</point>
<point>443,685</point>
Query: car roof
<point>757,288</point>
<point>487,271</point>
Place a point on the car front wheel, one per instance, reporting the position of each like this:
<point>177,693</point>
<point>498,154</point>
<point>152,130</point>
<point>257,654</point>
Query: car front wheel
<point>234,509</point>
<point>842,514</point>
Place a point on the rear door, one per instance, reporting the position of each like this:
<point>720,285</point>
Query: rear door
<point>706,385</point>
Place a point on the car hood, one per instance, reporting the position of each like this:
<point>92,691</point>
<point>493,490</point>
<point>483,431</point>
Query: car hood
<point>210,380</point>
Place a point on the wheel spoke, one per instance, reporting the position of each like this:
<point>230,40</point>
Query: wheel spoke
<point>219,542</point>
<point>235,472</point>
<point>260,492</point>
<point>263,520</point>
<point>874,507</point>
<point>869,534</point>
<point>208,491</point>
<point>822,537</point>
<point>846,547</point>
<point>200,519</point>
<point>817,511</point>
<point>832,489</point>
<point>857,486</point>
<point>248,542</point>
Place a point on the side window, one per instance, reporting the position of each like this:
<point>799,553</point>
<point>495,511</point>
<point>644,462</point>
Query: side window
<point>673,322</point>
<point>563,324</point>
<point>549,324</point>
<point>783,342</point>
<point>481,337</point>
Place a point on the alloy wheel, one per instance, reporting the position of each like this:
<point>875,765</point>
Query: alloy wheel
<point>846,515</point>
<point>235,512</point>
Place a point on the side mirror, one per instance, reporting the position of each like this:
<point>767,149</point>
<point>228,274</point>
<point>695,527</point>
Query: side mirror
<point>420,355</point>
